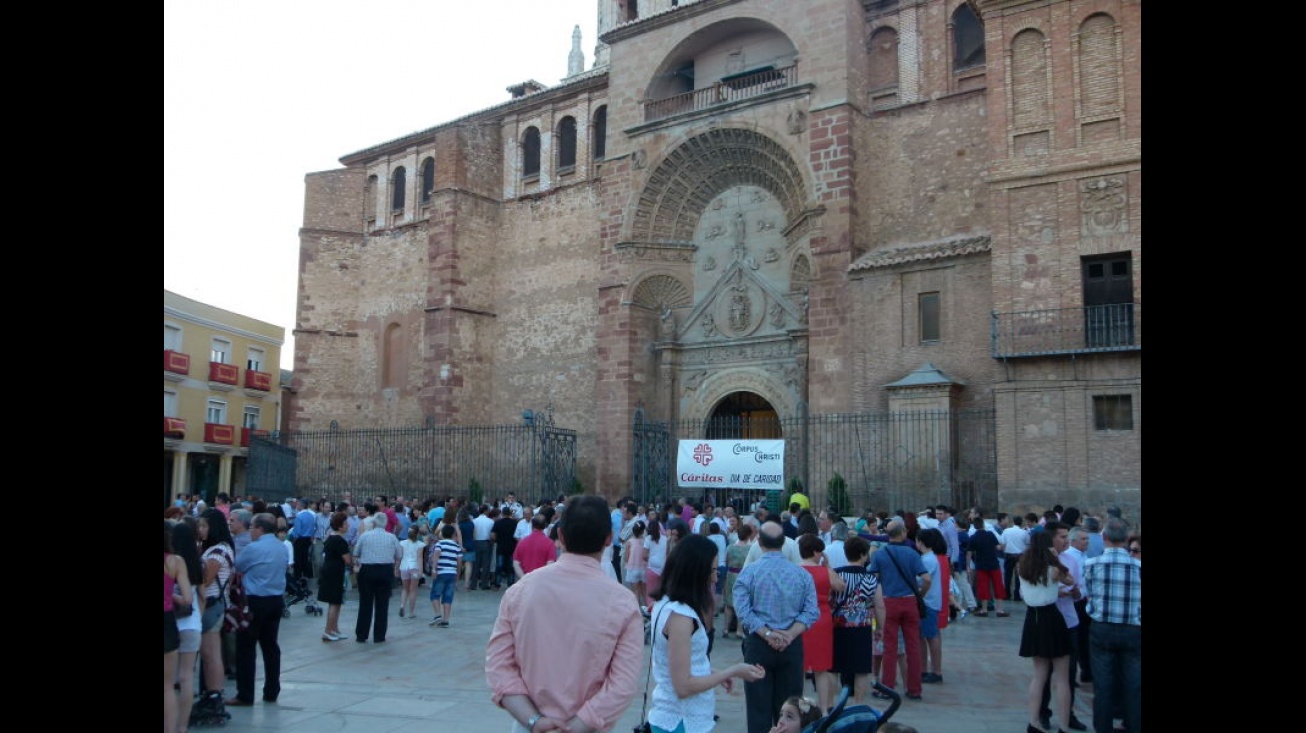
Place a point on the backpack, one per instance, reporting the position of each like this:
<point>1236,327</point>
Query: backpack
<point>237,616</point>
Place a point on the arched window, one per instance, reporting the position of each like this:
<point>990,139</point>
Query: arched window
<point>530,165</point>
<point>967,38</point>
<point>369,200</point>
<point>398,182</point>
<point>599,145</point>
<point>391,353</point>
<point>428,179</point>
<point>567,143</point>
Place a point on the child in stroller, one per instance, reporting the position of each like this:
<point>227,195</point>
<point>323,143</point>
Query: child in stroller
<point>841,719</point>
<point>297,589</point>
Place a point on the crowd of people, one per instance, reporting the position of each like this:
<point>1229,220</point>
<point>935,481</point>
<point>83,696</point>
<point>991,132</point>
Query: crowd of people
<point>809,595</point>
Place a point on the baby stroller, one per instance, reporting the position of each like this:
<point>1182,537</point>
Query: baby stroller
<point>297,591</point>
<point>855,719</point>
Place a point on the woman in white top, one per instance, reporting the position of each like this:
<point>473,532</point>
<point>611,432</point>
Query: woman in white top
<point>684,694</point>
<point>655,552</point>
<point>410,570</point>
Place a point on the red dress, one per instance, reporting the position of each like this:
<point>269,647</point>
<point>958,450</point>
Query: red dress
<point>818,641</point>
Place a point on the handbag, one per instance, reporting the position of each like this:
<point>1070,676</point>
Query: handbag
<point>237,615</point>
<point>920,600</point>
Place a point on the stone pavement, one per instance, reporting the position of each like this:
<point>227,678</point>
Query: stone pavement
<point>425,678</point>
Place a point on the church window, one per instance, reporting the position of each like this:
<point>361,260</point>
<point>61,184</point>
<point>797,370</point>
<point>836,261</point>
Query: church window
<point>967,38</point>
<point>369,200</point>
<point>567,143</point>
<point>599,146</point>
<point>1113,412</point>
<point>428,179</point>
<point>929,316</point>
<point>399,181</point>
<point>531,153</point>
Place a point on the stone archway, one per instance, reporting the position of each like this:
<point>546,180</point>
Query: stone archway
<point>745,415</point>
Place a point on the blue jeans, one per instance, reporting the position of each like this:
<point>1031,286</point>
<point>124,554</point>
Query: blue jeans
<point>1117,659</point>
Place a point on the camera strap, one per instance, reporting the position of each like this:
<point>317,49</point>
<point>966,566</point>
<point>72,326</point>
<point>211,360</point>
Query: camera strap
<point>652,640</point>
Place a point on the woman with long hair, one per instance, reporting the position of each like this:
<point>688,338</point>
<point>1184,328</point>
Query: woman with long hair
<point>186,546</point>
<point>818,640</point>
<point>934,554</point>
<point>176,590</point>
<point>683,698</point>
<point>218,557</point>
<point>634,563</point>
<point>655,552</point>
<point>336,562</point>
<point>410,571</point>
<point>1044,637</point>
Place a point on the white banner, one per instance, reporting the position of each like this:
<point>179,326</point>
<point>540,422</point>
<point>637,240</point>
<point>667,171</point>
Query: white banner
<point>732,464</point>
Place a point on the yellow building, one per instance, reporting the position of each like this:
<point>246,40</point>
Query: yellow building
<point>221,385</point>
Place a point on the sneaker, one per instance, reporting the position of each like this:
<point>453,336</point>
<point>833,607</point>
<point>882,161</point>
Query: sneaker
<point>401,613</point>
<point>443,624</point>
<point>436,620</point>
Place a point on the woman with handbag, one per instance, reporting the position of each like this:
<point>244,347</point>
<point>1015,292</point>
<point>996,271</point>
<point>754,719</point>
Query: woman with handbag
<point>218,558</point>
<point>684,698</point>
<point>174,577</point>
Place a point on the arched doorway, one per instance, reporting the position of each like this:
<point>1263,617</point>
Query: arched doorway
<point>744,415</point>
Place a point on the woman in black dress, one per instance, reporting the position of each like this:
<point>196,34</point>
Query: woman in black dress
<point>1045,637</point>
<point>331,583</point>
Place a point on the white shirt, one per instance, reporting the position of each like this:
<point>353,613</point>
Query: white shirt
<point>482,526</point>
<point>1014,540</point>
<point>657,552</point>
<point>523,529</point>
<point>666,710</point>
<point>790,552</point>
<point>835,552</point>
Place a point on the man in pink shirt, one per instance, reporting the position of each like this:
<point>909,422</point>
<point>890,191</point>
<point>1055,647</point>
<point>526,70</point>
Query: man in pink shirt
<point>582,675</point>
<point>535,550</point>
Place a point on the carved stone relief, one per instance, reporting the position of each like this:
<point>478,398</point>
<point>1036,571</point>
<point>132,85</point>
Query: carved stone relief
<point>1104,206</point>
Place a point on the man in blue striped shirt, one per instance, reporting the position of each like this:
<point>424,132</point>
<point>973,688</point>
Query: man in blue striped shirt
<point>776,602</point>
<point>1114,586</point>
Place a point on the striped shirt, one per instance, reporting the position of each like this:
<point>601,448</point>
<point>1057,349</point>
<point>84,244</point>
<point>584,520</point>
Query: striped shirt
<point>448,552</point>
<point>376,547</point>
<point>1114,583</point>
<point>855,606</point>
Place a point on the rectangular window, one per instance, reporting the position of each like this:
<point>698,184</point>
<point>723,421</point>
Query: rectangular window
<point>169,403</point>
<point>255,359</point>
<point>251,417</point>
<point>171,337</point>
<point>928,312</point>
<point>216,412</point>
<point>1113,412</point>
<point>220,351</point>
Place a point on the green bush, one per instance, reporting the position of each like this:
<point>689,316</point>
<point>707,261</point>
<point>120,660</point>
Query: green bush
<point>577,487</point>
<point>474,493</point>
<point>837,494</point>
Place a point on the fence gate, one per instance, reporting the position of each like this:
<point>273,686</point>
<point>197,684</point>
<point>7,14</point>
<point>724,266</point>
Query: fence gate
<point>270,471</point>
<point>654,460</point>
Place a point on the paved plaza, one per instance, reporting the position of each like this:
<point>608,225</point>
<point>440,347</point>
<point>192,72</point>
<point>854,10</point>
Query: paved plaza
<point>425,678</point>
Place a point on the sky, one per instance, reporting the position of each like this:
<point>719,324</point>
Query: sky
<point>259,93</point>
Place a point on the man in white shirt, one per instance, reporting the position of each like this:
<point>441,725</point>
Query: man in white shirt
<point>524,524</point>
<point>482,526</point>
<point>834,547</point>
<point>1013,541</point>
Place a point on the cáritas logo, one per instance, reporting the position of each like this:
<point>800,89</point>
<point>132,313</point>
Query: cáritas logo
<point>703,454</point>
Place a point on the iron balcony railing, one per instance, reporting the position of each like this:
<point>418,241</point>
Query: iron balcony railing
<point>1085,330</point>
<point>730,89</point>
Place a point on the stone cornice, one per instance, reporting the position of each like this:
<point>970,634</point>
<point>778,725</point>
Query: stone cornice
<point>676,14</point>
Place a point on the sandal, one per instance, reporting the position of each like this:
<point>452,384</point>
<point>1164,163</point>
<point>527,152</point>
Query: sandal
<point>1001,614</point>
<point>980,613</point>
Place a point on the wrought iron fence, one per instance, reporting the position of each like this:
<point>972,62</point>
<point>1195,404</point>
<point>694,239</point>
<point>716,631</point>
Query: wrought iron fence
<point>534,460</point>
<point>1089,329</point>
<point>889,460</point>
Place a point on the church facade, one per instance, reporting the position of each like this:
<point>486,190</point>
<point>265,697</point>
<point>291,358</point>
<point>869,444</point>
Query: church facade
<point>768,207</point>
